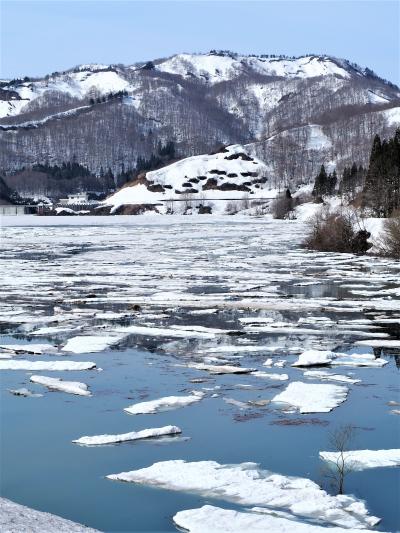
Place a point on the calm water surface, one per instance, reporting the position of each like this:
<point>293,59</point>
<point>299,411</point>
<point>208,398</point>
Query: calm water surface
<point>41,468</point>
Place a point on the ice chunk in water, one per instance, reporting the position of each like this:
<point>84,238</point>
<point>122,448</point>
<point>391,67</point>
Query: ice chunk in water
<point>312,398</point>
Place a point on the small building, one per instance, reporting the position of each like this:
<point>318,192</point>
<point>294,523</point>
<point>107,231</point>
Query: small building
<point>79,198</point>
<point>10,209</point>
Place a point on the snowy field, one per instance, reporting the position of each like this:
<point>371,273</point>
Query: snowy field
<point>202,361</point>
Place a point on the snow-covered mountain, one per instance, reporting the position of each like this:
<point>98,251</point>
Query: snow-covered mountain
<point>293,113</point>
<point>217,67</point>
<point>210,69</point>
<point>205,183</point>
<point>83,82</point>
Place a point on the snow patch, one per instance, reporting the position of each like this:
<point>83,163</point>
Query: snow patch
<point>392,116</point>
<point>378,343</point>
<point>34,349</point>
<point>210,519</point>
<point>26,393</point>
<point>45,365</point>
<point>228,170</point>
<point>315,357</point>
<point>125,437</point>
<point>71,387</point>
<point>317,139</point>
<point>312,398</point>
<point>362,459</point>
<point>221,369</point>
<point>320,374</point>
<point>247,484</point>
<point>90,343</point>
<point>16,518</point>
<point>164,404</point>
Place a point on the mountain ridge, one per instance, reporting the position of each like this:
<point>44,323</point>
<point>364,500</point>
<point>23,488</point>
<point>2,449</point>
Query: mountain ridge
<point>102,67</point>
<point>292,113</point>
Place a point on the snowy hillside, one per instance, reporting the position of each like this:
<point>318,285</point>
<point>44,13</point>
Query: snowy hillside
<point>210,181</point>
<point>87,80</point>
<point>294,113</point>
<point>214,68</point>
<point>99,80</point>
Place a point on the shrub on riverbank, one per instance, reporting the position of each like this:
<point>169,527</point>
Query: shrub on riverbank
<point>337,231</point>
<point>283,205</point>
<point>390,242</point>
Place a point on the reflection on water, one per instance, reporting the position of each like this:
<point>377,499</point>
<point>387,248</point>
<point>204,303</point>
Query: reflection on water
<point>242,277</point>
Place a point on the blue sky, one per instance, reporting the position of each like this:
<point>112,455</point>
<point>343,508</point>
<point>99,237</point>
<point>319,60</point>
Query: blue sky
<point>39,37</point>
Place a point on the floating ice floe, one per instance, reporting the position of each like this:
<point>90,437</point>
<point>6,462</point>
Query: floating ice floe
<point>269,375</point>
<point>71,387</point>
<point>388,320</point>
<point>164,404</point>
<point>221,369</point>
<point>312,398</point>
<point>366,334</point>
<point>218,360</point>
<point>247,484</point>
<point>323,320</point>
<point>358,359</point>
<point>377,343</point>
<point>148,331</point>
<point>16,518</point>
<point>236,403</point>
<point>111,315</point>
<point>125,437</point>
<point>256,320</point>
<point>283,328</point>
<point>90,343</point>
<point>45,365</point>
<point>201,329</point>
<point>25,392</point>
<point>211,519</point>
<point>259,403</point>
<point>212,310</point>
<point>35,349</point>
<point>321,374</point>
<point>28,319</point>
<point>326,357</point>
<point>248,348</point>
<point>315,357</point>
<point>54,330</point>
<point>362,459</point>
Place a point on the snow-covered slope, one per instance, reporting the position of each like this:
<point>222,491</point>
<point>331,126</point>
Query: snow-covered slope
<point>217,67</point>
<point>88,80</point>
<point>392,116</point>
<point>100,80</point>
<point>226,175</point>
<point>294,113</point>
<point>16,518</point>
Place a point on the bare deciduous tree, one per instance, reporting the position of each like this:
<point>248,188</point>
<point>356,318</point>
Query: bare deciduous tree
<point>186,203</point>
<point>232,208</point>
<point>170,206</point>
<point>340,440</point>
<point>245,202</point>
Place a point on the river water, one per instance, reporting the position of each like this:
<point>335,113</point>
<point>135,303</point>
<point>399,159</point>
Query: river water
<point>95,277</point>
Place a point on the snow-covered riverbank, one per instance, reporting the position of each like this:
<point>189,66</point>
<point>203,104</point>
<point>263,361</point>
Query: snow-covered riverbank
<point>15,518</point>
